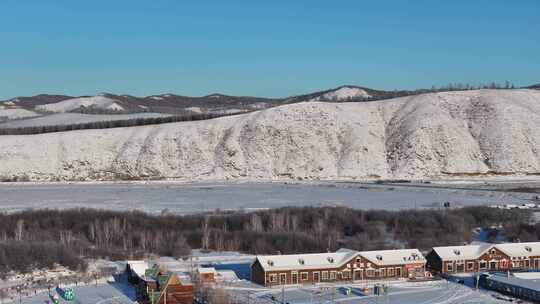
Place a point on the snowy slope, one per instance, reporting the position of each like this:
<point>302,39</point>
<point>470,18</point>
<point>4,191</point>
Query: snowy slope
<point>9,113</point>
<point>442,134</point>
<point>100,102</point>
<point>343,94</point>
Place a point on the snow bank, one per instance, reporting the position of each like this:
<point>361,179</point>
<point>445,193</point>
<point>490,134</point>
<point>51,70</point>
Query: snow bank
<point>431,135</point>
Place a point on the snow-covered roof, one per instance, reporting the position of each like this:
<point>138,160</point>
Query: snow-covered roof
<point>520,249</point>
<point>338,259</point>
<point>138,267</point>
<point>465,252</point>
<point>394,257</point>
<point>471,252</point>
<point>304,261</point>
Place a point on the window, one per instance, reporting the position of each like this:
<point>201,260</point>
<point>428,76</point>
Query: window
<point>482,265</point>
<point>470,265</point>
<point>383,272</point>
<point>304,276</point>
<point>273,278</point>
<point>370,273</point>
<point>390,272</point>
<point>398,272</point>
<point>493,251</point>
<point>332,275</point>
<point>449,267</point>
<point>345,275</point>
<point>324,275</point>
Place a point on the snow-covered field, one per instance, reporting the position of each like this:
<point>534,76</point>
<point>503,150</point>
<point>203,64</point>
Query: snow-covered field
<point>431,135</point>
<point>73,118</point>
<point>192,198</point>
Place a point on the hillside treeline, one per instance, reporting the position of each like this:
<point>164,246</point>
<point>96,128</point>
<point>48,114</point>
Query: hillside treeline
<point>120,235</point>
<point>111,124</point>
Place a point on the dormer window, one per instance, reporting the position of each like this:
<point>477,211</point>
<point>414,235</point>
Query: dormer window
<point>330,259</point>
<point>493,251</point>
<point>528,248</point>
<point>457,252</point>
<point>379,257</point>
<point>301,261</point>
<point>270,263</point>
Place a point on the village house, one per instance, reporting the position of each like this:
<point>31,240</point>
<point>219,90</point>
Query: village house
<point>484,257</point>
<point>156,285</point>
<point>342,265</point>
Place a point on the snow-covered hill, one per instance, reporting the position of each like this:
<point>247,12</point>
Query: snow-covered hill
<point>343,94</point>
<point>441,134</point>
<point>15,113</point>
<point>98,102</point>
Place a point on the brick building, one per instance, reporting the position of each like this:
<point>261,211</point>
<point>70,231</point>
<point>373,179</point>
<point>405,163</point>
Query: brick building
<point>484,257</point>
<point>343,265</point>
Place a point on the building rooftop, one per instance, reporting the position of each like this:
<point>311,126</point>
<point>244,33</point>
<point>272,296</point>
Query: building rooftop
<point>339,258</point>
<point>394,257</point>
<point>472,252</point>
<point>304,261</point>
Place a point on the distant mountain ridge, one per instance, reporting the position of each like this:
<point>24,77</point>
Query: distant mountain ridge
<point>35,108</point>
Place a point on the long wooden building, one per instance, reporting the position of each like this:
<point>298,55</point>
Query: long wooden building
<point>343,265</point>
<point>484,258</point>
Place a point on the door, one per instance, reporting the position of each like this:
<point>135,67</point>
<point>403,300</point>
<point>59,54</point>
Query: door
<point>282,278</point>
<point>537,264</point>
<point>316,277</point>
<point>460,267</point>
<point>398,272</point>
<point>294,278</point>
<point>358,275</point>
<point>493,265</point>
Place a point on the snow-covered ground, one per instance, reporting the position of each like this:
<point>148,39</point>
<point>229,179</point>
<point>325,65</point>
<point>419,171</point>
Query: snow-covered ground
<point>155,197</point>
<point>103,293</point>
<point>7,114</point>
<point>99,102</point>
<point>431,135</point>
<point>437,292</point>
<point>73,118</point>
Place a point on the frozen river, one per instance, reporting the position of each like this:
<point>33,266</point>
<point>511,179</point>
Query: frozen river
<point>192,198</point>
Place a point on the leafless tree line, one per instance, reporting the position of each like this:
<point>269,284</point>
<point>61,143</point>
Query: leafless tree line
<point>76,233</point>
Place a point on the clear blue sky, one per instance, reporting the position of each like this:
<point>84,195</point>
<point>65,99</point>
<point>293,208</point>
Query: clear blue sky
<point>263,48</point>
